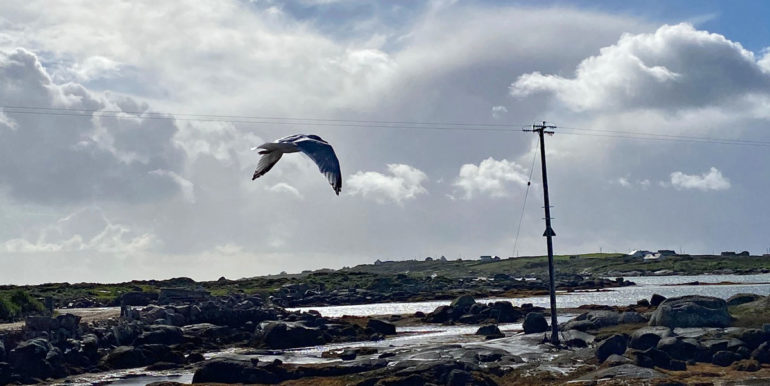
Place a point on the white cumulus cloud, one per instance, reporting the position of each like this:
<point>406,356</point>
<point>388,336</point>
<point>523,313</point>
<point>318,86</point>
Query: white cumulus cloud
<point>676,66</point>
<point>403,183</point>
<point>489,177</point>
<point>712,180</point>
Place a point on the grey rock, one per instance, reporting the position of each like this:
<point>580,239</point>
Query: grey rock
<point>490,332</point>
<point>29,358</point>
<point>232,370</point>
<point>677,348</point>
<point>575,338</point>
<point>647,337</point>
<point>535,322</point>
<point>289,334</point>
<point>753,337</point>
<point>715,345</point>
<point>656,299</point>
<point>382,327</point>
<point>615,344</point>
<point>762,353</point>
<point>616,360</point>
<point>691,311</point>
<point>725,358</point>
<point>653,357</point>
<point>623,372</point>
<point>463,302</point>
<point>161,334</point>
<point>632,317</point>
<point>2,351</point>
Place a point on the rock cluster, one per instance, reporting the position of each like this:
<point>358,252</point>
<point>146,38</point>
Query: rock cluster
<point>165,337</point>
<point>466,310</point>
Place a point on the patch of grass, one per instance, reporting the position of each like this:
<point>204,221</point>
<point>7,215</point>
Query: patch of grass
<point>751,315</point>
<point>17,303</point>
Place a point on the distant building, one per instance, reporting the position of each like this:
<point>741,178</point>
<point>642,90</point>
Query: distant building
<point>728,253</point>
<point>744,253</point>
<point>639,253</point>
<point>378,262</point>
<point>489,258</point>
<point>654,257</point>
<point>666,252</point>
<point>442,258</point>
<point>428,258</point>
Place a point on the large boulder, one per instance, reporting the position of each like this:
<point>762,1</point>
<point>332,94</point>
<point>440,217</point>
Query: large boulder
<point>762,353</point>
<point>656,299</point>
<point>647,337</point>
<point>677,348</point>
<point>161,334</point>
<point>593,320</point>
<point>232,370</point>
<point>490,332</point>
<point>576,338</point>
<point>753,337</point>
<point>504,312</point>
<point>441,314</point>
<point>535,322</point>
<point>30,355</point>
<point>725,358</point>
<point>463,302</point>
<point>691,311</point>
<point>381,327</point>
<point>136,298</point>
<point>126,357</point>
<point>616,344</point>
<point>282,335</point>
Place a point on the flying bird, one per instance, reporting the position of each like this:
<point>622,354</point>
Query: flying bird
<point>312,145</point>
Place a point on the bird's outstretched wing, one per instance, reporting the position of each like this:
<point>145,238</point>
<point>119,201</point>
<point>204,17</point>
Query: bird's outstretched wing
<point>266,163</point>
<point>323,155</point>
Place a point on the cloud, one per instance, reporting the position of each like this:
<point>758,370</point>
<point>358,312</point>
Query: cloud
<point>86,230</point>
<point>499,111</point>
<point>674,67</point>
<point>285,188</point>
<point>83,155</point>
<point>490,177</point>
<point>404,183</point>
<point>711,180</point>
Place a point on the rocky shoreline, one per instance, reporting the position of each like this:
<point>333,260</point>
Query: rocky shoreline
<point>655,338</point>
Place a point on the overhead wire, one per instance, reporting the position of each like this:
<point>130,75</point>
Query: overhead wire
<point>374,124</point>
<point>524,204</point>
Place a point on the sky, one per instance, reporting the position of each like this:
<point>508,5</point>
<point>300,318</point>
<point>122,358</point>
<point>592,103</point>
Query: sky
<point>125,131</point>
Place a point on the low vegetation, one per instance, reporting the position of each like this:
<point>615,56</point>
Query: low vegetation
<point>381,276</point>
<point>17,303</point>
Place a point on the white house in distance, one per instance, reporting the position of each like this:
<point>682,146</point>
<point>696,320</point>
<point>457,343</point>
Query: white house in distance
<point>639,253</point>
<point>489,258</point>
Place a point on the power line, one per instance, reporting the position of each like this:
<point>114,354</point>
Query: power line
<point>250,122</point>
<point>376,124</point>
<point>168,115</point>
<point>719,141</point>
<point>524,204</point>
<point>660,135</point>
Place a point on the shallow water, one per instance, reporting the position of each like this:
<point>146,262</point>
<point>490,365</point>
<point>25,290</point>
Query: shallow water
<point>414,337</point>
<point>646,286</point>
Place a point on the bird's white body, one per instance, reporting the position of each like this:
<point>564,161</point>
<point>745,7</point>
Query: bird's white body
<point>311,145</point>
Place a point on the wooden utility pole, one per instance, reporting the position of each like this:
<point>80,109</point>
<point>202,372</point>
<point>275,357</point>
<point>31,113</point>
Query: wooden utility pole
<point>549,233</point>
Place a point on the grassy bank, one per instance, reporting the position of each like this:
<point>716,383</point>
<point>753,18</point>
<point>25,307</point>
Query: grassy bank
<point>381,276</point>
